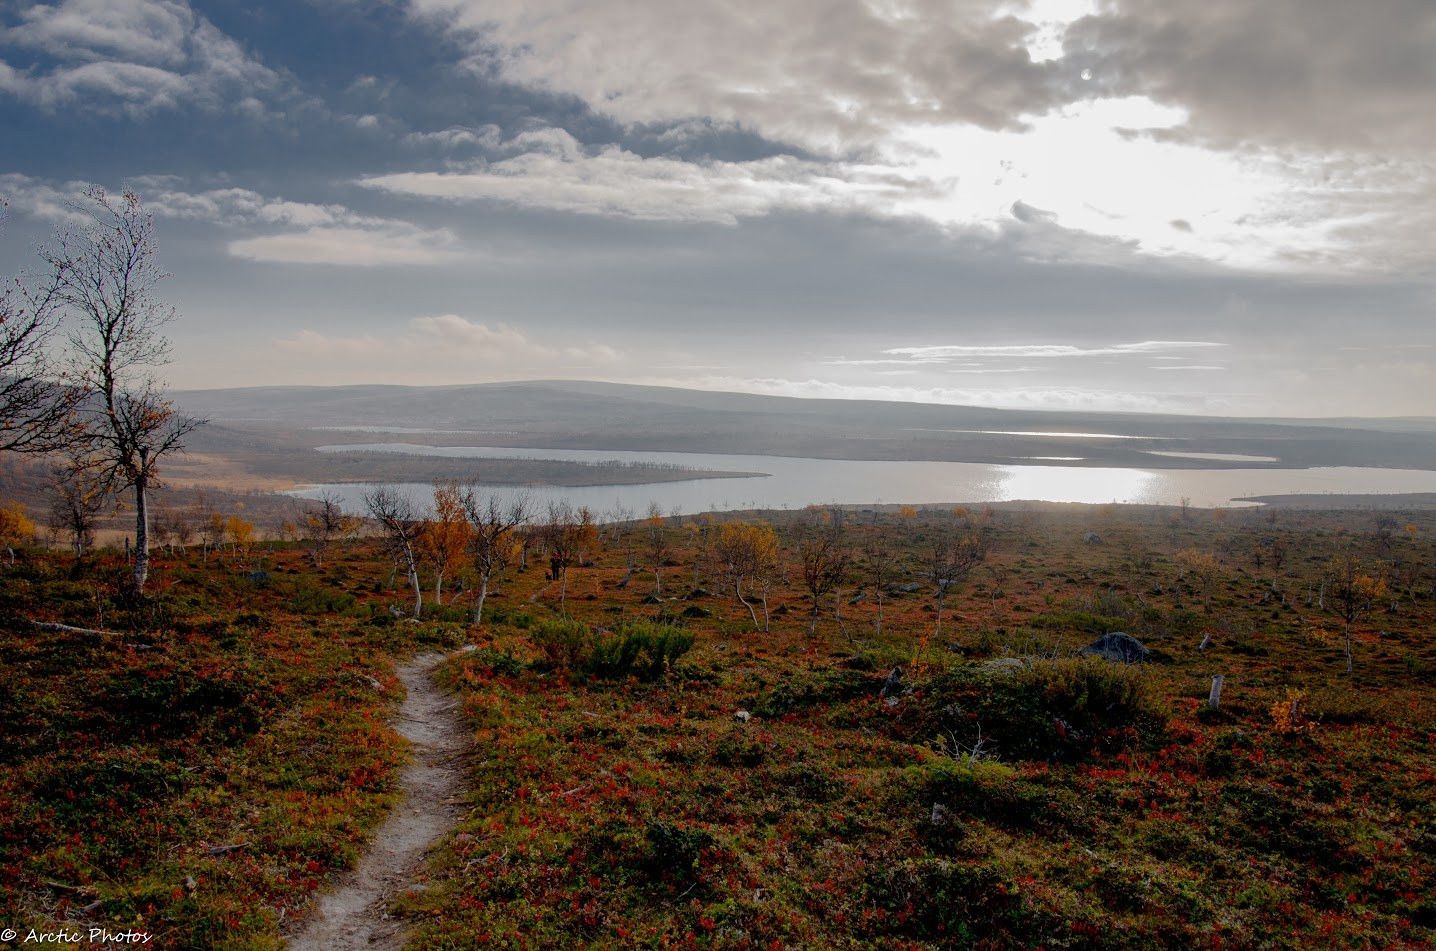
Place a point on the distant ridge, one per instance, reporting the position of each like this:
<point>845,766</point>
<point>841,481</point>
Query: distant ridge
<point>577,414</point>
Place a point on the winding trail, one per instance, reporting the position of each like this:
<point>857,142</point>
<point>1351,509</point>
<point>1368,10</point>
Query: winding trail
<point>354,915</point>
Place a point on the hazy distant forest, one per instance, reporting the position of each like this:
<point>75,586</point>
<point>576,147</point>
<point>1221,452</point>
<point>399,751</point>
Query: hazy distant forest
<point>893,726</point>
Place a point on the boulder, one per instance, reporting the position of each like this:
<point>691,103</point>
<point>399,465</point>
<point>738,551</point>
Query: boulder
<point>1092,538</point>
<point>893,682</point>
<point>1118,647</point>
<point>1004,666</point>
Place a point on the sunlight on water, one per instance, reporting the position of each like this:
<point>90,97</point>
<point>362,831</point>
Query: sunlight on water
<point>1212,456</point>
<point>1066,484</point>
<point>788,482</point>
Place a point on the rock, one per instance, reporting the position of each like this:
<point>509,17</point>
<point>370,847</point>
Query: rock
<point>1092,538</point>
<point>906,588</point>
<point>939,814</point>
<point>1118,647</point>
<point>893,682</point>
<point>742,716</point>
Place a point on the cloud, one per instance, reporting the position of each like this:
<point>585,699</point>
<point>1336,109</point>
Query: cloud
<point>946,353</point>
<point>832,77</point>
<point>550,169</point>
<point>1038,397</point>
<point>1346,76</point>
<point>392,244</point>
<point>138,56</point>
<point>1189,366</point>
<point>446,348</point>
<point>43,200</point>
<point>328,234</point>
<point>455,138</point>
<point>1304,129</point>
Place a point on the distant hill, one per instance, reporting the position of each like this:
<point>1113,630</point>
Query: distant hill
<point>586,415</point>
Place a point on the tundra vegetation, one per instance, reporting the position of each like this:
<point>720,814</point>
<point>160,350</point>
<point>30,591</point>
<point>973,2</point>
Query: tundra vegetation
<point>658,767</point>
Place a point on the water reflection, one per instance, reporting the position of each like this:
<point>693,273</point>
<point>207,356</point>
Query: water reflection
<point>789,482</point>
<point>1067,484</point>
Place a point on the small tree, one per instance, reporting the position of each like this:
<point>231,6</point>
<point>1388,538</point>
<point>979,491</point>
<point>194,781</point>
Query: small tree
<point>445,537</point>
<point>494,542</point>
<point>211,533</point>
<point>326,521</point>
<point>239,532</point>
<point>76,503</point>
<point>16,529</point>
<point>1353,591</point>
<point>823,558</point>
<point>568,533</point>
<point>655,535</point>
<point>622,531</point>
<point>702,530</point>
<point>1202,568</point>
<point>880,567</point>
<point>954,554</point>
<point>401,526</point>
<point>747,553</point>
<point>105,275</point>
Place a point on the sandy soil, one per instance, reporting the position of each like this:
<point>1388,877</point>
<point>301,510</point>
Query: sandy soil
<point>355,914</point>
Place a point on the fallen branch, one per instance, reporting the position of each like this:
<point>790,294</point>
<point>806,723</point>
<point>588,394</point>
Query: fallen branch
<point>225,849</point>
<point>59,628</point>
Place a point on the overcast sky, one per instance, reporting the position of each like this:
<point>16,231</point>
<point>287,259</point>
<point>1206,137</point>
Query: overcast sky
<point>1215,207</point>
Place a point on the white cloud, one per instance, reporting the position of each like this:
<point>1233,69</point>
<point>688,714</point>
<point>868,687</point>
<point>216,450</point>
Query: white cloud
<point>550,169</point>
<point>831,76</point>
<point>1153,126</point>
<point>392,244</point>
<point>446,348</point>
<point>456,137</point>
<point>945,353</point>
<point>136,55</point>
<point>1038,397</point>
<point>317,234</point>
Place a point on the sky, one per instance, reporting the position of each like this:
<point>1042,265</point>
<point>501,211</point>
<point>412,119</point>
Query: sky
<point>1222,207</point>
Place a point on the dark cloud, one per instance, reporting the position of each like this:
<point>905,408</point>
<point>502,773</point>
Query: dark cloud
<point>1324,74</point>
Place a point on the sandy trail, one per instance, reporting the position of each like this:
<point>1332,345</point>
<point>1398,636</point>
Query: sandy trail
<point>354,914</point>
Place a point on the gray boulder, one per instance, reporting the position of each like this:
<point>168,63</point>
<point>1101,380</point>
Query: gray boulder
<point>1118,647</point>
<point>1004,666</point>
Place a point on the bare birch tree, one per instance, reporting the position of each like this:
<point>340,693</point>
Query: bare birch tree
<point>35,404</point>
<point>494,541</point>
<point>402,525</point>
<point>105,276</point>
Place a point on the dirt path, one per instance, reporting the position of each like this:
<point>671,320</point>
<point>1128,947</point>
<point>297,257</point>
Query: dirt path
<point>354,915</point>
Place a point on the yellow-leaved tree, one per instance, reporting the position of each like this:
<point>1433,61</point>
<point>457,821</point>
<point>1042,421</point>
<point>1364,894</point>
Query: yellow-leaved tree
<point>445,537</point>
<point>16,529</point>
<point>748,554</point>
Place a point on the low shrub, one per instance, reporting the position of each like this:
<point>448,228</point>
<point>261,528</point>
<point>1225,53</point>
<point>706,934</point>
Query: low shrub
<point>638,649</point>
<point>1061,709</point>
<point>807,690</point>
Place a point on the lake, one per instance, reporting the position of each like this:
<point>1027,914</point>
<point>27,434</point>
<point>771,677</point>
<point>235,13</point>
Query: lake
<point>791,483</point>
